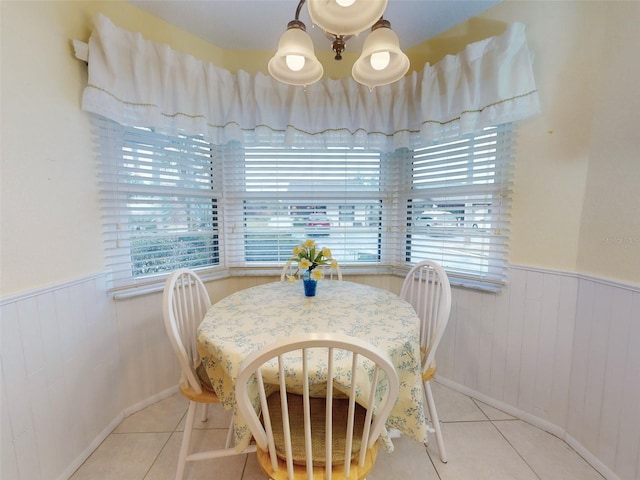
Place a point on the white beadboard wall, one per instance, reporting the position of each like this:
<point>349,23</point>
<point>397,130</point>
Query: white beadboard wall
<point>559,350</point>
<point>74,364</point>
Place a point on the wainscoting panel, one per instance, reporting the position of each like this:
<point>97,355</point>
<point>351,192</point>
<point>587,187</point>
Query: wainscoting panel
<point>60,377</point>
<point>559,350</point>
<point>515,346</point>
<point>150,364</point>
<point>563,350</point>
<point>604,404</point>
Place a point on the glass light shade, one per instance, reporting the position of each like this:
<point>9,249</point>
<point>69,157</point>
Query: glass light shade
<point>295,62</point>
<point>349,20</point>
<point>380,60</point>
<point>380,40</point>
<point>295,41</point>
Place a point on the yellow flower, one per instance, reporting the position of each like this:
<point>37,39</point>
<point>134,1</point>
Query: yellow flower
<point>305,263</point>
<point>309,258</point>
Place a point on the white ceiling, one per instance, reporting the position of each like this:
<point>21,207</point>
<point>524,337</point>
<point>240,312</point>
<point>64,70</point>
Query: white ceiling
<point>258,24</point>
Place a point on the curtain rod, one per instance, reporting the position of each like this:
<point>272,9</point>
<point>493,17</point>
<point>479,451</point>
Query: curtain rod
<point>81,50</point>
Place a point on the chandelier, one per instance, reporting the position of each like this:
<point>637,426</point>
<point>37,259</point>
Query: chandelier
<point>381,62</point>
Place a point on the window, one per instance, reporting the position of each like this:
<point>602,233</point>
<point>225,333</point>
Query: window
<point>457,207</point>
<point>171,202</point>
<point>277,197</point>
<point>160,209</point>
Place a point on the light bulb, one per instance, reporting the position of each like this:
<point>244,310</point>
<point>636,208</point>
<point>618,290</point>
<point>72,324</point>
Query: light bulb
<point>380,60</point>
<point>345,3</point>
<point>295,62</point>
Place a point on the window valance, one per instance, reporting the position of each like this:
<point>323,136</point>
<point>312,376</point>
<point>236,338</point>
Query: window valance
<point>135,81</point>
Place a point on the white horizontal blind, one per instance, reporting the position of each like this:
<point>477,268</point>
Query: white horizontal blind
<point>160,206</point>
<point>171,202</point>
<point>275,198</point>
<point>458,207</point>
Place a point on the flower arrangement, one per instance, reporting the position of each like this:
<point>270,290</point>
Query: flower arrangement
<point>309,256</point>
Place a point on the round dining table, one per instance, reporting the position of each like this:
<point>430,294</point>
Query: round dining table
<point>251,318</point>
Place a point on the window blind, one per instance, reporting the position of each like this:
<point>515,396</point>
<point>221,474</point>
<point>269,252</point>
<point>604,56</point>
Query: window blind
<point>160,202</point>
<point>179,201</point>
<point>275,198</point>
<point>457,208</point>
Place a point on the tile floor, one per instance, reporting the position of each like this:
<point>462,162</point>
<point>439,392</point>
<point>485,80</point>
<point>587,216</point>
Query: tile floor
<point>482,443</point>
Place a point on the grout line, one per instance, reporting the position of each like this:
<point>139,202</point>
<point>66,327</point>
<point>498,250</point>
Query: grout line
<point>514,448</point>
<point>480,408</point>
<point>435,469</point>
<point>158,455</point>
<point>465,421</point>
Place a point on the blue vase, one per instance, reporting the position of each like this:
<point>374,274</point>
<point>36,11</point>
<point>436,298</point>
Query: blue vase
<point>309,285</point>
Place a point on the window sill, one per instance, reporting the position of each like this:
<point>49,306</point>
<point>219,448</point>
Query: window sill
<point>271,271</point>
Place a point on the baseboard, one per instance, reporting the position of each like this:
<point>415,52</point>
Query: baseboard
<point>542,424</point>
<point>150,401</point>
<point>86,453</point>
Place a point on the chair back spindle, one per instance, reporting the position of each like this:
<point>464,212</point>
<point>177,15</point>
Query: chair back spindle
<point>298,434</point>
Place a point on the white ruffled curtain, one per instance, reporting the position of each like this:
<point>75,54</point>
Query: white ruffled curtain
<point>139,82</point>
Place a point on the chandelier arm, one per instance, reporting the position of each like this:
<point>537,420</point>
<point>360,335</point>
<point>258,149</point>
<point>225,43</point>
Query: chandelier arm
<point>382,23</point>
<point>299,8</point>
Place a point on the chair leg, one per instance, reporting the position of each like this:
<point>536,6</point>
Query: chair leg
<point>229,434</point>
<point>435,421</point>
<point>205,412</point>
<point>186,439</point>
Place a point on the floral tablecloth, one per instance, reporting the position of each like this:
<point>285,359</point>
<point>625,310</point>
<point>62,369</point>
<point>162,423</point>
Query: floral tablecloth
<point>252,318</point>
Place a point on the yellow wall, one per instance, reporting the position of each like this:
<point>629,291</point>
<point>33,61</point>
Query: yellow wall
<point>610,226</point>
<point>575,194</point>
<point>577,188</point>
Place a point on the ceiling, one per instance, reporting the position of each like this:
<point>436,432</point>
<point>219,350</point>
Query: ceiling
<point>258,24</point>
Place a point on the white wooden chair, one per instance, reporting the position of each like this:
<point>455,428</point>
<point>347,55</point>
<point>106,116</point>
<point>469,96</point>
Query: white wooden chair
<point>185,302</point>
<point>291,268</point>
<point>426,287</point>
<point>300,437</point>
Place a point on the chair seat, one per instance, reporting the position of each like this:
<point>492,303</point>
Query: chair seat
<point>296,418</point>
<point>203,376</point>
<point>300,472</point>
<point>203,397</point>
<point>429,373</point>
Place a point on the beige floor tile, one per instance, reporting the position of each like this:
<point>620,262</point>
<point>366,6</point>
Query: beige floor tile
<point>477,448</point>
<point>453,406</point>
<point>227,468</point>
<point>218,418</point>
<point>252,470</point>
<point>162,416</point>
<point>550,457</point>
<point>477,451</point>
<point>493,413</point>
<point>122,456</point>
<point>409,460</point>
